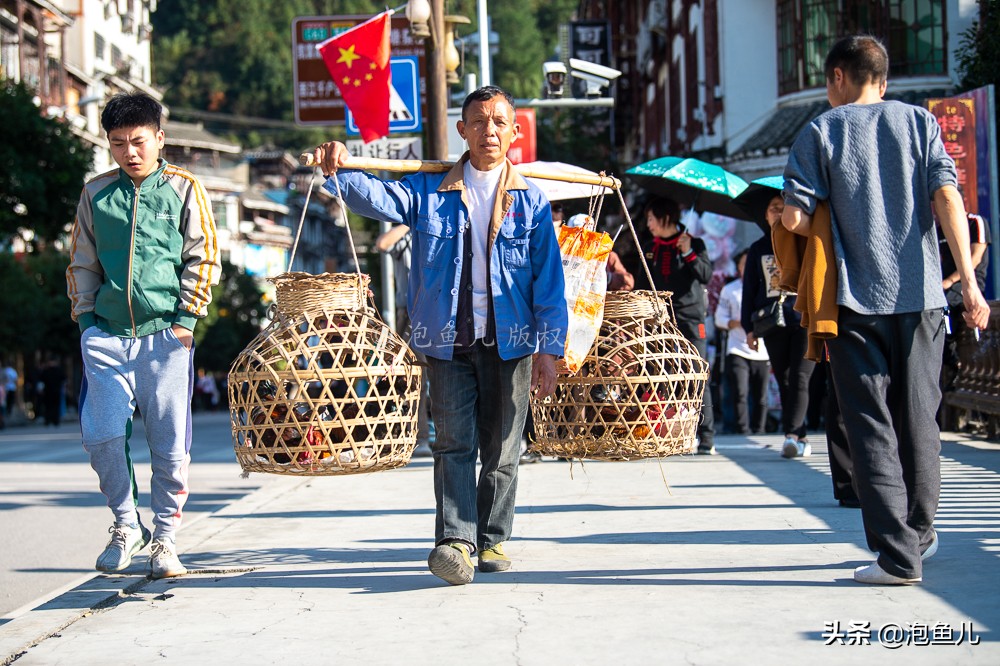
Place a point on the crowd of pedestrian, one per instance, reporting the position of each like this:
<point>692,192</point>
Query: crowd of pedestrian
<point>477,259</point>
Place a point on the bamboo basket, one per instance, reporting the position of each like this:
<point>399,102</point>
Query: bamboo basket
<point>327,387</point>
<point>638,393</point>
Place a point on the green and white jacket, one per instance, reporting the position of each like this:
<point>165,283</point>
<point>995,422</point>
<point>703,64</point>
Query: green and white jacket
<point>142,258</point>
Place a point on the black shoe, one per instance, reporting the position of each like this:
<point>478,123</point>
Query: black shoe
<point>851,503</point>
<point>706,451</point>
<point>530,457</point>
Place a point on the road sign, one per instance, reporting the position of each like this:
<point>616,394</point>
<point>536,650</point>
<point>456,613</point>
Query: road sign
<point>522,148</point>
<point>317,99</point>
<point>389,148</point>
<point>404,98</point>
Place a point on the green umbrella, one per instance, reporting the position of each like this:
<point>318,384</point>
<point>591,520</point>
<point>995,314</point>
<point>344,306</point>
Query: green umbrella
<point>691,182</point>
<point>754,200</point>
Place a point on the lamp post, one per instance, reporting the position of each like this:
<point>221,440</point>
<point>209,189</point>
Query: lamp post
<point>428,22</point>
<point>437,89</point>
<point>484,43</point>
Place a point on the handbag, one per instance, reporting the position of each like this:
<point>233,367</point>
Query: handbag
<point>770,318</point>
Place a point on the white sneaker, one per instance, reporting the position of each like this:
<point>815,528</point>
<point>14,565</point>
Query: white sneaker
<point>931,549</point>
<point>125,542</point>
<point>795,448</point>
<point>163,560</point>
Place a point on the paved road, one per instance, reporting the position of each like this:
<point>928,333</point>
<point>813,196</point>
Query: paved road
<point>55,520</point>
<point>745,558</point>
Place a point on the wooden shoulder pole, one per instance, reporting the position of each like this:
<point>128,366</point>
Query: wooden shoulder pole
<point>437,166</point>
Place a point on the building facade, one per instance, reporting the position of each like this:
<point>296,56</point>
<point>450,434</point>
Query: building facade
<point>734,80</point>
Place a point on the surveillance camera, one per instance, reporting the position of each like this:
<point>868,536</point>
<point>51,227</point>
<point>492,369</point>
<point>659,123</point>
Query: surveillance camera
<point>594,69</point>
<point>595,84</point>
<point>553,68</point>
<point>555,77</point>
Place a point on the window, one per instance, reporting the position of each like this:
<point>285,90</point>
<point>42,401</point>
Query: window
<point>221,214</point>
<point>912,30</point>
<point>117,60</point>
<point>99,47</point>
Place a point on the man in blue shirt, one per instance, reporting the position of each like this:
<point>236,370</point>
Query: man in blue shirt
<point>880,165</point>
<point>486,305</point>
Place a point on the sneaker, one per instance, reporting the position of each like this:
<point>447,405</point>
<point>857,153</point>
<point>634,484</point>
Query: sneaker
<point>163,560</point>
<point>873,574</point>
<point>529,457</point>
<point>707,450</point>
<point>931,549</point>
<point>795,448</point>
<point>493,559</point>
<point>450,562</point>
<point>125,542</point>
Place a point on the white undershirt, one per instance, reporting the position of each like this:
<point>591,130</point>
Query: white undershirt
<point>481,193</point>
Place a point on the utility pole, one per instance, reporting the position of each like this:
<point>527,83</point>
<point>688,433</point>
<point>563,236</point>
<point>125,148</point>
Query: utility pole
<point>485,77</point>
<point>437,87</point>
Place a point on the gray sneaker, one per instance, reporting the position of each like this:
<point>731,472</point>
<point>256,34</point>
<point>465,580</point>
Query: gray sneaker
<point>163,560</point>
<point>125,542</point>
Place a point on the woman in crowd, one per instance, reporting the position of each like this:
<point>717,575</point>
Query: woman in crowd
<point>786,345</point>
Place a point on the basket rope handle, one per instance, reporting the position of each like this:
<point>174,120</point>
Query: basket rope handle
<point>302,219</point>
<point>642,255</point>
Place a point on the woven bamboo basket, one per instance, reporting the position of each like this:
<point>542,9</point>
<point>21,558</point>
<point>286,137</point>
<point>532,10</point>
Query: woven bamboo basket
<point>638,393</point>
<point>327,388</point>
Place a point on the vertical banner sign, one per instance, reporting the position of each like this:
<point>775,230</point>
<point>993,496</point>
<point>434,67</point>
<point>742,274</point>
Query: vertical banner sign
<point>523,147</point>
<point>590,41</point>
<point>317,99</point>
<point>957,118</point>
<point>968,130</point>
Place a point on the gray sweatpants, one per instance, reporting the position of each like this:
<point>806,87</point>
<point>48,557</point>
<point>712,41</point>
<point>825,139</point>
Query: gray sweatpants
<point>156,374</point>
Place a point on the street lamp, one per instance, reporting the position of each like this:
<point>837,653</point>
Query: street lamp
<point>418,13</point>
<point>451,56</point>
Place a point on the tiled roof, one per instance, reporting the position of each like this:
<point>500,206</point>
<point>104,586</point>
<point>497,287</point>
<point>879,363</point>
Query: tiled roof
<point>778,133</point>
<point>196,136</point>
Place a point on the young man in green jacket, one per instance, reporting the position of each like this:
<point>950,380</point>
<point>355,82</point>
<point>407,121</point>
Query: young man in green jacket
<point>143,262</point>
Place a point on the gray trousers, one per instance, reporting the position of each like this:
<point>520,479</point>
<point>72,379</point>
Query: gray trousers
<point>156,374</point>
<point>886,370</point>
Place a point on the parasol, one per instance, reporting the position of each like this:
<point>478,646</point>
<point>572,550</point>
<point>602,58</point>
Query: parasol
<point>691,182</point>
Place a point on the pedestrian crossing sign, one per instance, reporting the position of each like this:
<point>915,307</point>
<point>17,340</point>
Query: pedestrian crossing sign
<point>404,98</point>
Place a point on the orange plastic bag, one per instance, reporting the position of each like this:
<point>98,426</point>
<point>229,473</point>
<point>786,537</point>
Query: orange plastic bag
<point>585,255</point>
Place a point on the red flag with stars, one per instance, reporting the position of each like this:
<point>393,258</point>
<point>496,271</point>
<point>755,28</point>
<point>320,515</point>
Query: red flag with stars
<point>358,61</point>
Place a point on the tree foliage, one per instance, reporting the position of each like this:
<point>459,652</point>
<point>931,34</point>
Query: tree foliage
<point>978,53</point>
<point>244,66</point>
<point>36,305</point>
<point>235,57</point>
<point>42,167</point>
<point>528,32</point>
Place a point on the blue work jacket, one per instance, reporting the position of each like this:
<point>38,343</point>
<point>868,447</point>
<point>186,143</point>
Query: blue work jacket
<point>525,266</point>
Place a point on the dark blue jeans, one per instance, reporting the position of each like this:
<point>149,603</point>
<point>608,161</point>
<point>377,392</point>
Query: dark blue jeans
<point>479,403</point>
<point>886,368</point>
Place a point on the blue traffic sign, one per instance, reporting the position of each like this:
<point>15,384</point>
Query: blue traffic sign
<point>404,97</point>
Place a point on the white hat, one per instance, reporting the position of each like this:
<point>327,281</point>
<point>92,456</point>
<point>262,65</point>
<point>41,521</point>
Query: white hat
<point>579,220</point>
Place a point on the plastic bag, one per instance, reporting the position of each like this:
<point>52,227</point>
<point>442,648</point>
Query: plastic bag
<point>585,259</point>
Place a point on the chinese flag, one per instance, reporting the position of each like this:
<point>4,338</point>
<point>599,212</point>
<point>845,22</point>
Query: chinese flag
<point>358,61</point>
